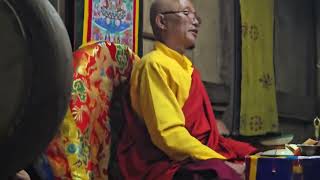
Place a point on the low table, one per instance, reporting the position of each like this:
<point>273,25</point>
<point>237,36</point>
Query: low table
<point>283,168</point>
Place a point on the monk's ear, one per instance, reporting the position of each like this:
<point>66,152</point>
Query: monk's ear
<point>161,21</point>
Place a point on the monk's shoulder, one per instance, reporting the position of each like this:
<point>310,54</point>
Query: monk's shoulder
<point>154,59</point>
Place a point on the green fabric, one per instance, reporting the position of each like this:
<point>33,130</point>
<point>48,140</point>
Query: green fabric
<point>258,113</point>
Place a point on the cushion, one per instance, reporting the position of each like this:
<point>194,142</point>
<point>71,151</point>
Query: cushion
<point>81,149</point>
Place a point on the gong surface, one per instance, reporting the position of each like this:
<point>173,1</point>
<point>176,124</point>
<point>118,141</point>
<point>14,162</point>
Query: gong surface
<point>35,77</point>
<point>14,55</point>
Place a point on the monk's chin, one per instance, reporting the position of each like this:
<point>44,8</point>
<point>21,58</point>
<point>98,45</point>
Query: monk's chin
<point>191,47</point>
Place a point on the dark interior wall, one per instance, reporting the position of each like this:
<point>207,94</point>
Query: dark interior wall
<point>229,43</point>
<point>294,58</point>
<point>295,48</point>
<point>317,19</point>
<point>60,7</point>
<point>67,11</point>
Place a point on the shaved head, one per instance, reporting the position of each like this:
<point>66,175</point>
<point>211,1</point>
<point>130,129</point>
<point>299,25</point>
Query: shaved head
<point>159,6</point>
<point>174,23</point>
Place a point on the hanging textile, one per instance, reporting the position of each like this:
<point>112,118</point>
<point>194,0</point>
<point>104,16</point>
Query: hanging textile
<point>258,114</point>
<point>112,20</point>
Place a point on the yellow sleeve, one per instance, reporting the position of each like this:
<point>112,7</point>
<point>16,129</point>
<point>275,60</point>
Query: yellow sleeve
<point>164,118</point>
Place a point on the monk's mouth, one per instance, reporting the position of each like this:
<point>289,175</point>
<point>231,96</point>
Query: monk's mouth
<point>194,32</point>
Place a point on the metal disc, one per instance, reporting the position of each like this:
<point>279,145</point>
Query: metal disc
<point>35,77</point>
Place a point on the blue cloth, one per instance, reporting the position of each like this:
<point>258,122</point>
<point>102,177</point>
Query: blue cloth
<point>285,168</point>
<point>43,168</point>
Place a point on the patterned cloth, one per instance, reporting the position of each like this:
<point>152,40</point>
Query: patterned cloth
<point>259,113</point>
<point>81,148</point>
<point>282,168</point>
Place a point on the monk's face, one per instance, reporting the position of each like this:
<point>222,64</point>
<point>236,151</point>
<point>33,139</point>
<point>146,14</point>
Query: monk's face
<point>182,24</point>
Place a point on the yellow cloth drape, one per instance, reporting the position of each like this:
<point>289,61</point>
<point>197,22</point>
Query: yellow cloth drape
<point>258,114</point>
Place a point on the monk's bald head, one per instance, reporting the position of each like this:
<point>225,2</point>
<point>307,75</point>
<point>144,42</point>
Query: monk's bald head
<point>175,23</point>
<point>159,6</point>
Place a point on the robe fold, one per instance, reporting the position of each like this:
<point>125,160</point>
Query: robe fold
<point>139,158</point>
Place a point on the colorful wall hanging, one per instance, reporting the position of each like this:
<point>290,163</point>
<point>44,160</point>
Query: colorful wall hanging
<point>112,20</point>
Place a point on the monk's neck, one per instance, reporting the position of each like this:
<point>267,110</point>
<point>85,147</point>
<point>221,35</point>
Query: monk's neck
<point>180,49</point>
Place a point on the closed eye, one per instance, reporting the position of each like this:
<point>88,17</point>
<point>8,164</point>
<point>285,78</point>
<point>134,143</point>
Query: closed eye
<point>186,12</point>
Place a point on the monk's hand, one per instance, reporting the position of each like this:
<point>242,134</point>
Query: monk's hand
<point>22,175</point>
<point>238,168</point>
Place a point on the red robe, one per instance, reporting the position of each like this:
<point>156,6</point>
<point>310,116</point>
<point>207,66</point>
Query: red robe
<point>139,159</point>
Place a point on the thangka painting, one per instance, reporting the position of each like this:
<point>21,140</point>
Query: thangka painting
<point>112,20</point>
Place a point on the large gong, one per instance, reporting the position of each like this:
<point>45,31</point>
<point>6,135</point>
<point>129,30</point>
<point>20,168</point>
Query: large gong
<point>35,77</point>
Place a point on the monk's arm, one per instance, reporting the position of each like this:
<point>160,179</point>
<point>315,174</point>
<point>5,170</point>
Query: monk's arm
<point>164,118</point>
